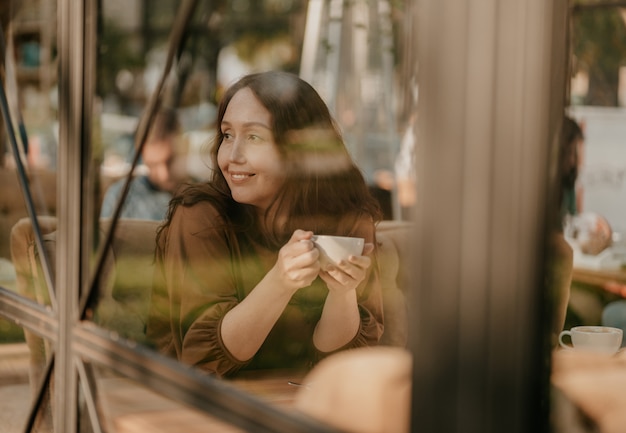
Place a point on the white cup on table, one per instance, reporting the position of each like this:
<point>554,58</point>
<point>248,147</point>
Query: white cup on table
<point>334,249</point>
<point>598,339</point>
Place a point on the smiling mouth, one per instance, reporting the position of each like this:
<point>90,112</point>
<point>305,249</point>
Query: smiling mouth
<point>240,176</point>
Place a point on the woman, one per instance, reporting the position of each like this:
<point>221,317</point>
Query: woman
<point>239,284</point>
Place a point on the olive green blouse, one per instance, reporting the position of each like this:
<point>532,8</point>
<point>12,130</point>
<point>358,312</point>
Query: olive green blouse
<point>205,268</point>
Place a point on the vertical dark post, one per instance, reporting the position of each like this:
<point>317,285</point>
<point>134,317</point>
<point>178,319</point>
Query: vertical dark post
<point>491,83</point>
<point>74,120</point>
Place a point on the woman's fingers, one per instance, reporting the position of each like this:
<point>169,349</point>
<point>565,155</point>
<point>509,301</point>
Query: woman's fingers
<point>355,265</point>
<point>346,275</point>
<point>300,235</point>
<point>368,248</point>
<point>298,260</point>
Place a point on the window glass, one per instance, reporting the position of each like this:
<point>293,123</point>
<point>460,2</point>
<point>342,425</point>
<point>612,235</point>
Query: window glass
<point>124,404</point>
<point>594,184</point>
<point>28,147</point>
<point>222,45</point>
<point>28,187</point>
<point>597,222</point>
<point>354,57</point>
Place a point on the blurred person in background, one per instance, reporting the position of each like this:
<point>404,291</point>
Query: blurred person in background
<point>150,193</point>
<point>569,157</point>
<point>561,254</point>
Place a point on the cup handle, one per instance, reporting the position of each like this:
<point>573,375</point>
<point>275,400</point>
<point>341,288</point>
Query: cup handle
<point>561,335</point>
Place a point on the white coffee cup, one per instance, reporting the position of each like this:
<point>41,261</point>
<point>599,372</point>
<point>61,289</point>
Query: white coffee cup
<point>600,339</point>
<point>334,249</point>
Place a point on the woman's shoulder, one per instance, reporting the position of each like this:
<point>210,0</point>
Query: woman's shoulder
<point>199,216</point>
<point>199,222</point>
<point>199,210</point>
<point>202,196</point>
<point>205,207</point>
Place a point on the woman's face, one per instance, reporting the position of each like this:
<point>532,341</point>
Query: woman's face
<point>248,156</point>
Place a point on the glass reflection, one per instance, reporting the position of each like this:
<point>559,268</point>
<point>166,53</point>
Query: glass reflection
<point>28,145</point>
<point>28,149</point>
<point>221,45</point>
<point>597,223</point>
<point>117,403</point>
<point>22,367</point>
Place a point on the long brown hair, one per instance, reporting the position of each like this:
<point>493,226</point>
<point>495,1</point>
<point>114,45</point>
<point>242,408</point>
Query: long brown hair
<point>323,185</point>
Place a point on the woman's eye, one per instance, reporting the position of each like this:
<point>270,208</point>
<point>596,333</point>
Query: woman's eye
<point>226,135</point>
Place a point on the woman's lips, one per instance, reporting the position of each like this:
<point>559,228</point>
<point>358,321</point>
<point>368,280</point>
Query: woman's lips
<point>240,176</point>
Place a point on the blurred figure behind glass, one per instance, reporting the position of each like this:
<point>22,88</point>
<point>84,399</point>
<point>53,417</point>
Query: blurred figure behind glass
<point>569,161</point>
<point>561,255</point>
<point>150,193</point>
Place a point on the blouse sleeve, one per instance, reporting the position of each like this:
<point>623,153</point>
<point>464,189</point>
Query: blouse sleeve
<point>196,268</point>
<point>369,294</point>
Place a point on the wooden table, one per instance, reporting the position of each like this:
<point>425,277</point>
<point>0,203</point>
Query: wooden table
<point>132,408</point>
<point>275,387</point>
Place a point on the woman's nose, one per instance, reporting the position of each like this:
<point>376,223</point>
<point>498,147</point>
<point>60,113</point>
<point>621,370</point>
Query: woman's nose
<point>236,152</point>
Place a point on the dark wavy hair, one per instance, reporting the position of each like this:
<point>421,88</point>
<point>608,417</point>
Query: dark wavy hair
<point>568,153</point>
<point>323,184</point>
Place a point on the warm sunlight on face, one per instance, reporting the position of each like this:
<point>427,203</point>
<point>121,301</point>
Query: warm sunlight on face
<point>248,156</point>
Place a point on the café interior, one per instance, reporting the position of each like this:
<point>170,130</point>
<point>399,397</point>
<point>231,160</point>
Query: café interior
<point>454,112</point>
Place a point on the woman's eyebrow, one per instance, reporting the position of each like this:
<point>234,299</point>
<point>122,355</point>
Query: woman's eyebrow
<point>249,124</point>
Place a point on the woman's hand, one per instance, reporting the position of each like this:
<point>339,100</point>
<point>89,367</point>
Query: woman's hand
<point>246,326</point>
<point>298,261</point>
<point>347,274</point>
